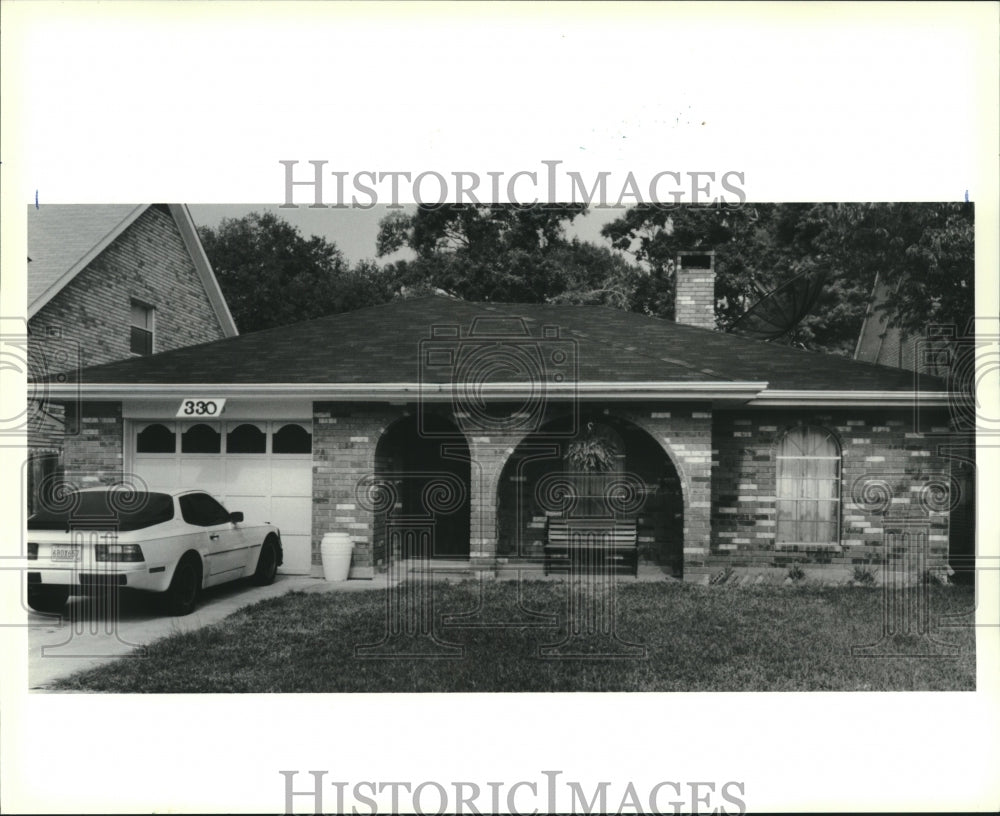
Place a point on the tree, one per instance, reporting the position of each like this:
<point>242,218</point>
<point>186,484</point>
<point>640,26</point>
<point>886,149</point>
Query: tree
<point>925,252</point>
<point>493,252</point>
<point>758,247</point>
<point>272,276</point>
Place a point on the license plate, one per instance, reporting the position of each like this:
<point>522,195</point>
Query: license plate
<point>65,553</point>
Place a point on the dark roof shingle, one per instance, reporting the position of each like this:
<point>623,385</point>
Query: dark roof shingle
<point>382,344</point>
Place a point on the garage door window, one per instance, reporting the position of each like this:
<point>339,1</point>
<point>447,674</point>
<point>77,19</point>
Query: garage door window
<point>291,439</point>
<point>201,438</point>
<point>246,438</point>
<point>156,438</point>
<point>203,510</point>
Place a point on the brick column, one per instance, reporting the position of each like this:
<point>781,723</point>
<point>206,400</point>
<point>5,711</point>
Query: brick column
<point>344,442</point>
<point>489,455</point>
<point>685,434</point>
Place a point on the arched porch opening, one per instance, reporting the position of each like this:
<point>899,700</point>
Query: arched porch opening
<point>424,469</point>
<point>641,478</point>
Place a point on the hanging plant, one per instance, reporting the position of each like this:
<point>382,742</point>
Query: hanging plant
<point>592,453</point>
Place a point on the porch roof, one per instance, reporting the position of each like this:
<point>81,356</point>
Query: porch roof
<point>385,345</point>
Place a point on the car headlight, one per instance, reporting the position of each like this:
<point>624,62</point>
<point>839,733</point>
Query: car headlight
<point>118,552</point>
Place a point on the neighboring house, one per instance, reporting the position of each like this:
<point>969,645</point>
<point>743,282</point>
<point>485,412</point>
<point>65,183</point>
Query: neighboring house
<point>880,343</point>
<point>441,427</point>
<point>109,283</point>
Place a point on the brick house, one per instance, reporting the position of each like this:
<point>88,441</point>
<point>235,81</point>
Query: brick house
<point>936,353</point>
<point>443,421</point>
<point>110,282</point>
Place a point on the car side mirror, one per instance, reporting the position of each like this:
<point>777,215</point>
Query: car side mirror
<point>236,517</point>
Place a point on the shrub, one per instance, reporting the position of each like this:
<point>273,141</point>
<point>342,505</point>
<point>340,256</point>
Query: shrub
<point>864,574</point>
<point>938,576</point>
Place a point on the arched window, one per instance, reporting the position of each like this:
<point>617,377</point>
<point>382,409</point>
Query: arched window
<point>155,438</point>
<point>291,438</point>
<point>201,438</point>
<point>246,438</point>
<point>808,491</point>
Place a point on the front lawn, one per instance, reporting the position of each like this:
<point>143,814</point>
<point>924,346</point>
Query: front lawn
<point>767,638</point>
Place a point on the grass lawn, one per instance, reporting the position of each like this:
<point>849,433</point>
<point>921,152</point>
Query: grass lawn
<point>766,638</point>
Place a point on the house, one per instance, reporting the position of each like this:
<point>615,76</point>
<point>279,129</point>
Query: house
<point>110,282</point>
<point>880,343</point>
<point>940,352</point>
<point>440,428</point>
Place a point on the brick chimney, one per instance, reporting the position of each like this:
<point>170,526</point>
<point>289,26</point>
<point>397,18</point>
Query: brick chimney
<point>694,297</point>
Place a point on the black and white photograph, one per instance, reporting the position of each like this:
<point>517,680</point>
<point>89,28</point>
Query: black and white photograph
<point>534,470</point>
<point>508,448</point>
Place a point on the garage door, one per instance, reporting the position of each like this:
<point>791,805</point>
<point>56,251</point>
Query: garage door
<point>263,468</point>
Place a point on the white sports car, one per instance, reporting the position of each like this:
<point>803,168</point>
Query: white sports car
<point>175,543</point>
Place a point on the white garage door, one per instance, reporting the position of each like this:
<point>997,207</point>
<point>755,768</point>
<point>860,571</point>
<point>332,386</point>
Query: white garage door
<point>263,468</point>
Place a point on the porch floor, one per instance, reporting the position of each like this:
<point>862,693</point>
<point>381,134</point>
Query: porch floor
<point>509,569</point>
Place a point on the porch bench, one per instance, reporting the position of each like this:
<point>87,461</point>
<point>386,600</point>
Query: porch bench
<point>593,542</point>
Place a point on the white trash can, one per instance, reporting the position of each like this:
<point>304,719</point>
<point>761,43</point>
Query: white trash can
<point>335,551</point>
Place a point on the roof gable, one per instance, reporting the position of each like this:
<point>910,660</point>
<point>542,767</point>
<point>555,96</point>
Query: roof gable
<point>63,239</point>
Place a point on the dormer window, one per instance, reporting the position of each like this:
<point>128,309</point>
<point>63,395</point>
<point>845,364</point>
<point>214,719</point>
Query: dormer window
<point>141,341</point>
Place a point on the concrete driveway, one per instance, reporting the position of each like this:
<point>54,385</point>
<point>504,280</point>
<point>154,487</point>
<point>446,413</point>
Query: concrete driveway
<point>90,632</point>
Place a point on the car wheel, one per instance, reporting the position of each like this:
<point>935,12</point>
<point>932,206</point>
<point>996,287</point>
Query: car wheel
<point>182,596</point>
<point>267,564</point>
<point>47,599</point>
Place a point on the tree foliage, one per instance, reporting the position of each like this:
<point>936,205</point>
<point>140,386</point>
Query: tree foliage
<point>493,252</point>
<point>923,251</point>
<point>272,276</point>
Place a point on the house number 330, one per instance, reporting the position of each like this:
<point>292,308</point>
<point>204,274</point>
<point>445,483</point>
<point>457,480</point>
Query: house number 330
<point>200,407</point>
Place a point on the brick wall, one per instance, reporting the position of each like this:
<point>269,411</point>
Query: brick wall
<point>94,456</point>
<point>888,473</point>
<point>685,433</point>
<point>148,262</point>
<point>345,440</point>
<point>725,465</point>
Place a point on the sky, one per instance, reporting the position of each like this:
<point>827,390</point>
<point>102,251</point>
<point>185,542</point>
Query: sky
<point>353,230</point>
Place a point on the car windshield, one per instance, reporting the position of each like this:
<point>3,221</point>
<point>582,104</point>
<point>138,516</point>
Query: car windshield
<point>119,509</point>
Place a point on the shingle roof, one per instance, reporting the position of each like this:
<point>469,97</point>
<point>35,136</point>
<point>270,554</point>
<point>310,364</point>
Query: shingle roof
<point>61,236</point>
<point>382,344</point>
